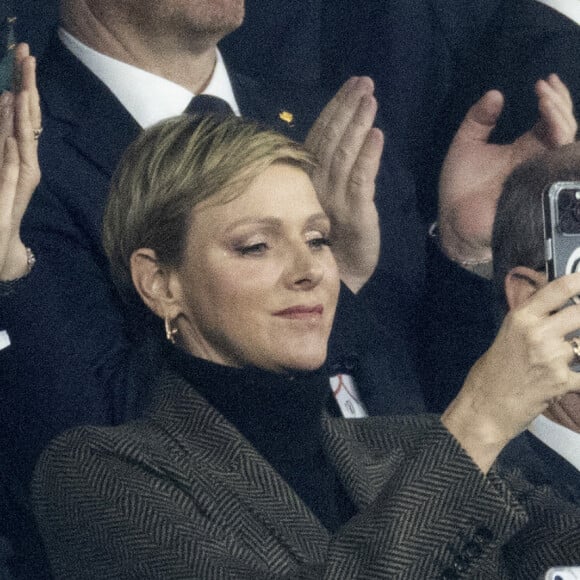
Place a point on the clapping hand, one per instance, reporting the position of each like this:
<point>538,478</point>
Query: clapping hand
<point>20,123</point>
<point>474,169</point>
<point>348,150</point>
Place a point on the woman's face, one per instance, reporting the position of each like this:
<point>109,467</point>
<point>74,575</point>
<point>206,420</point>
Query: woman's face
<point>258,284</point>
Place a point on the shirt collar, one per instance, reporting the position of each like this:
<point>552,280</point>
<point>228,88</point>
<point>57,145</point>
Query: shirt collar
<point>562,440</point>
<point>569,8</point>
<point>147,97</point>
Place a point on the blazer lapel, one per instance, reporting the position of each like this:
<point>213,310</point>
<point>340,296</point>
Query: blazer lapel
<point>98,125</point>
<point>259,501</point>
<point>291,113</point>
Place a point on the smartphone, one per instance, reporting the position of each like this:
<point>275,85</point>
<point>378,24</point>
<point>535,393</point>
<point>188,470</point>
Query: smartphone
<point>562,229</point>
<point>563,573</point>
<point>7,46</point>
<point>562,235</point>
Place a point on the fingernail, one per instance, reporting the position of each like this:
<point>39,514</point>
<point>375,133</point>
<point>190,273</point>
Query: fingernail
<point>351,83</point>
<point>364,83</point>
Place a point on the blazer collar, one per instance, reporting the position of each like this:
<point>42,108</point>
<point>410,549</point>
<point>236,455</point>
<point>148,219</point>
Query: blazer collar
<point>101,128</point>
<point>210,449</point>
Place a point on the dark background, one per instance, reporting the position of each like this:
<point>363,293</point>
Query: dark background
<point>36,19</point>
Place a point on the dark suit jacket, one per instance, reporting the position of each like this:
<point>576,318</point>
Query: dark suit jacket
<point>181,494</point>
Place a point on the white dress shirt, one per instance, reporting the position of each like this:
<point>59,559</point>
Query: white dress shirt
<point>569,8</point>
<point>562,440</point>
<point>147,97</point>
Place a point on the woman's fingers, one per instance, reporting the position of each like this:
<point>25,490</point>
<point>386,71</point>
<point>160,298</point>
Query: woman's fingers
<point>553,296</point>
<point>12,261</point>
<point>27,148</point>
<point>9,171</point>
<point>27,127</point>
<point>28,67</point>
<point>20,122</point>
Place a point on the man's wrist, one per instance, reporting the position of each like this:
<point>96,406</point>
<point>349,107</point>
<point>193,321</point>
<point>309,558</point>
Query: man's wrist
<point>481,265</point>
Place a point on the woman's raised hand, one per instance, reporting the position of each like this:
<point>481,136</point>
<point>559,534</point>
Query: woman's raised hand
<point>526,368</point>
<point>20,126</point>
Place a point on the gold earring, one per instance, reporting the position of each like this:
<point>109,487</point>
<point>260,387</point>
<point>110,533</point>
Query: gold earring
<point>170,332</point>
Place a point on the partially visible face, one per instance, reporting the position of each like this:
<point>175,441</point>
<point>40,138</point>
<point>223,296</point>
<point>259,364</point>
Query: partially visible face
<point>203,15</point>
<point>259,284</point>
<point>153,17</point>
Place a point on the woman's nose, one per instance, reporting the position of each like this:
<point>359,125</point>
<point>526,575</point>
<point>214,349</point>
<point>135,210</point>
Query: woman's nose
<point>305,269</point>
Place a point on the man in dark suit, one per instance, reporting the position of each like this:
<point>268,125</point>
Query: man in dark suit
<point>549,452</point>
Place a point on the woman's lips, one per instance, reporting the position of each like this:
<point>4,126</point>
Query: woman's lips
<point>301,312</point>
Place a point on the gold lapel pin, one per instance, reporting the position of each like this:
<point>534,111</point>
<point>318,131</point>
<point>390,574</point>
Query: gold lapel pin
<point>286,116</point>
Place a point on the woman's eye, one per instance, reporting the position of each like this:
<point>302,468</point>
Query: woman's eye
<point>319,242</point>
<point>253,249</point>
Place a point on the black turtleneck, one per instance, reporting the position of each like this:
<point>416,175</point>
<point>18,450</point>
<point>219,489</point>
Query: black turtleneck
<point>280,415</point>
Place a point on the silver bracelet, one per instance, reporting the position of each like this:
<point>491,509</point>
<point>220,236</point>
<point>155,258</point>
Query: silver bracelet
<point>483,268</point>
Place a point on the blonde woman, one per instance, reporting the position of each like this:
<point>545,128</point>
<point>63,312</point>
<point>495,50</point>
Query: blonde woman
<point>236,470</point>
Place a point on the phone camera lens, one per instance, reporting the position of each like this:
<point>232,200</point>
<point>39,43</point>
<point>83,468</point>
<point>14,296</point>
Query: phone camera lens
<point>565,200</point>
<point>569,211</point>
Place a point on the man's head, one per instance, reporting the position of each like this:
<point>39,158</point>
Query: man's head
<point>518,243</point>
<point>187,20</point>
<point>518,232</point>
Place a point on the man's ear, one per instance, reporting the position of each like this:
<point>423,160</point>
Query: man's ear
<point>155,283</point>
<point>521,283</point>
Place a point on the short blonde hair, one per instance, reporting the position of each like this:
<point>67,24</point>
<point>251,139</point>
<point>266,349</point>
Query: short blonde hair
<point>172,167</point>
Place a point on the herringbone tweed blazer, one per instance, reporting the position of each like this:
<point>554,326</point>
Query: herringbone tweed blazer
<point>180,494</point>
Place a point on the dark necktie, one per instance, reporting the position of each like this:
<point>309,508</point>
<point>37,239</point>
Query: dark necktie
<point>208,105</point>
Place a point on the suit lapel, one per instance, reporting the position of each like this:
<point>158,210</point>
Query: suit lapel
<point>99,127</point>
<point>214,452</point>
<point>291,113</point>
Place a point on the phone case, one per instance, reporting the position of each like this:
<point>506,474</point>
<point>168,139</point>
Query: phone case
<point>562,228</point>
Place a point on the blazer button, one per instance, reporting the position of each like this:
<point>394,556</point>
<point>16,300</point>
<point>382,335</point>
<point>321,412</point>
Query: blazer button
<point>460,564</point>
<point>351,362</point>
<point>483,535</point>
<point>472,550</point>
